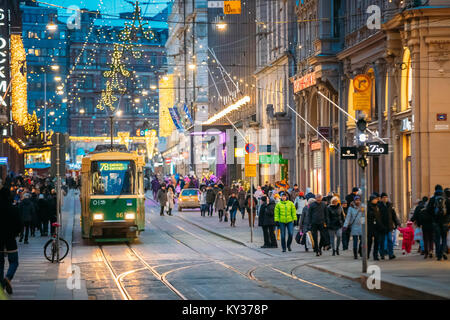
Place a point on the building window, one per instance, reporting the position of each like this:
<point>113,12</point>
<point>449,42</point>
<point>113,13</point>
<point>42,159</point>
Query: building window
<point>406,81</point>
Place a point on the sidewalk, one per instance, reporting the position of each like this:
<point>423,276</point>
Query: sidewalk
<point>406,277</point>
<point>39,279</point>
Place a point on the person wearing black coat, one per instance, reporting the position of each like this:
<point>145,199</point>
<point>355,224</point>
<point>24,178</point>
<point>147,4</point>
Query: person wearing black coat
<point>267,222</point>
<point>10,227</point>
<point>374,226</point>
<point>43,215</point>
<point>27,211</point>
<point>335,221</point>
<point>438,209</point>
<point>389,221</point>
<point>423,220</point>
<point>248,206</point>
<point>316,218</point>
<point>52,212</point>
<point>232,204</point>
<point>210,199</point>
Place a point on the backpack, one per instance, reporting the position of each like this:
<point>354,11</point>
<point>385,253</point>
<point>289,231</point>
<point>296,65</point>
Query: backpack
<point>440,206</point>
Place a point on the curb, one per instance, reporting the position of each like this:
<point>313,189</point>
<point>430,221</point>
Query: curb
<point>389,289</point>
<point>397,291</point>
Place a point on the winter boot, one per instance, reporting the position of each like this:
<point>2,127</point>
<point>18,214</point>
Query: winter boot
<point>337,251</point>
<point>334,252</point>
<point>355,253</point>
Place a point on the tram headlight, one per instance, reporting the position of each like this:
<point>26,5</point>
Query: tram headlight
<point>99,216</point>
<point>130,216</point>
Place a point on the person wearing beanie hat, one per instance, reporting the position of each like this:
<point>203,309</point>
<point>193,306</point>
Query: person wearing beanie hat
<point>351,197</point>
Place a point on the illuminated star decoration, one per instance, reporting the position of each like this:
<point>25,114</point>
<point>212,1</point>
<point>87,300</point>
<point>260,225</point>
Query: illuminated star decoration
<point>129,36</point>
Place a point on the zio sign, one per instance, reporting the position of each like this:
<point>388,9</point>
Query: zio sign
<point>376,148</point>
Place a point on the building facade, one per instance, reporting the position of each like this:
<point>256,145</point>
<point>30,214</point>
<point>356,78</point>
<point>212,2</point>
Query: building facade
<point>401,47</point>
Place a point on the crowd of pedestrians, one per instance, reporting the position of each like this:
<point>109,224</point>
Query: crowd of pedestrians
<point>28,205</point>
<point>326,223</point>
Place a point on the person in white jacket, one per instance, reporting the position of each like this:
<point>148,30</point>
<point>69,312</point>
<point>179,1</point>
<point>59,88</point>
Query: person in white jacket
<point>300,202</point>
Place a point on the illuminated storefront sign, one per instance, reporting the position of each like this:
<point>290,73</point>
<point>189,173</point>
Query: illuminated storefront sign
<point>4,60</point>
<point>317,145</point>
<point>305,82</point>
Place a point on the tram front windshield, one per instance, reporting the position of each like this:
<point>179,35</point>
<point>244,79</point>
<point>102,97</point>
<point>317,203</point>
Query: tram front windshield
<point>113,178</point>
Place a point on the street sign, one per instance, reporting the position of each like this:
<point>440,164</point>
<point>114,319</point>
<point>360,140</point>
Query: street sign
<point>250,170</point>
<point>363,93</point>
<point>250,148</point>
<point>441,117</point>
<point>232,7</point>
<point>348,153</point>
<point>251,158</point>
<point>376,148</point>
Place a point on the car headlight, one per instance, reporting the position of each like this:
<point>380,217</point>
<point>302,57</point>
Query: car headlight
<point>130,216</point>
<point>98,216</point>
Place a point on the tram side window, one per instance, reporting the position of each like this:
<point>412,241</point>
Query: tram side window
<point>113,177</point>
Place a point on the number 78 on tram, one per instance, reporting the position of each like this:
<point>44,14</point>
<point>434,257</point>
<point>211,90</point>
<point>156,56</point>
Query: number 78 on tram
<point>112,196</point>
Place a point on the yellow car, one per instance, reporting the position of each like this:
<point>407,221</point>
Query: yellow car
<point>189,198</point>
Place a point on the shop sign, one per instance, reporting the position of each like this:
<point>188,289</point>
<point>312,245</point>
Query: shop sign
<point>362,97</point>
<point>305,82</point>
<point>3,161</point>
<point>168,160</point>
<point>232,7</point>
<point>4,55</point>
<point>348,153</point>
<point>441,117</point>
<point>376,148</point>
<point>316,145</point>
<point>325,132</point>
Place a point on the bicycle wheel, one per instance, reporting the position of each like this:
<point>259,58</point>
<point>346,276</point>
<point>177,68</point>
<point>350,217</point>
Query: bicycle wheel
<point>50,250</point>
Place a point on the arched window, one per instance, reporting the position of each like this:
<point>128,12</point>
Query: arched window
<point>406,81</point>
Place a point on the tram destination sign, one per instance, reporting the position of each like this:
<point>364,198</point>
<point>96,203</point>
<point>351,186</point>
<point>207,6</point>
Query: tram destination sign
<point>376,148</point>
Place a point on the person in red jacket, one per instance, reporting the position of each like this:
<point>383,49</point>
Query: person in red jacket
<point>408,237</point>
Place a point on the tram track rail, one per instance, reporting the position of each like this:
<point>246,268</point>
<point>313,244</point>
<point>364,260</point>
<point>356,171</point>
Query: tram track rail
<point>162,277</point>
<point>251,273</point>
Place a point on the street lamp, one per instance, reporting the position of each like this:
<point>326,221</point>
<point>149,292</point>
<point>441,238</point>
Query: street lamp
<point>221,25</point>
<point>52,26</point>
<point>54,68</point>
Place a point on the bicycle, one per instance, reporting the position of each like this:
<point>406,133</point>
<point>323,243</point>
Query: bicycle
<point>50,248</point>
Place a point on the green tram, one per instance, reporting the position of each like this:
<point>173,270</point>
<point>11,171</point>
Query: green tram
<point>112,195</point>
